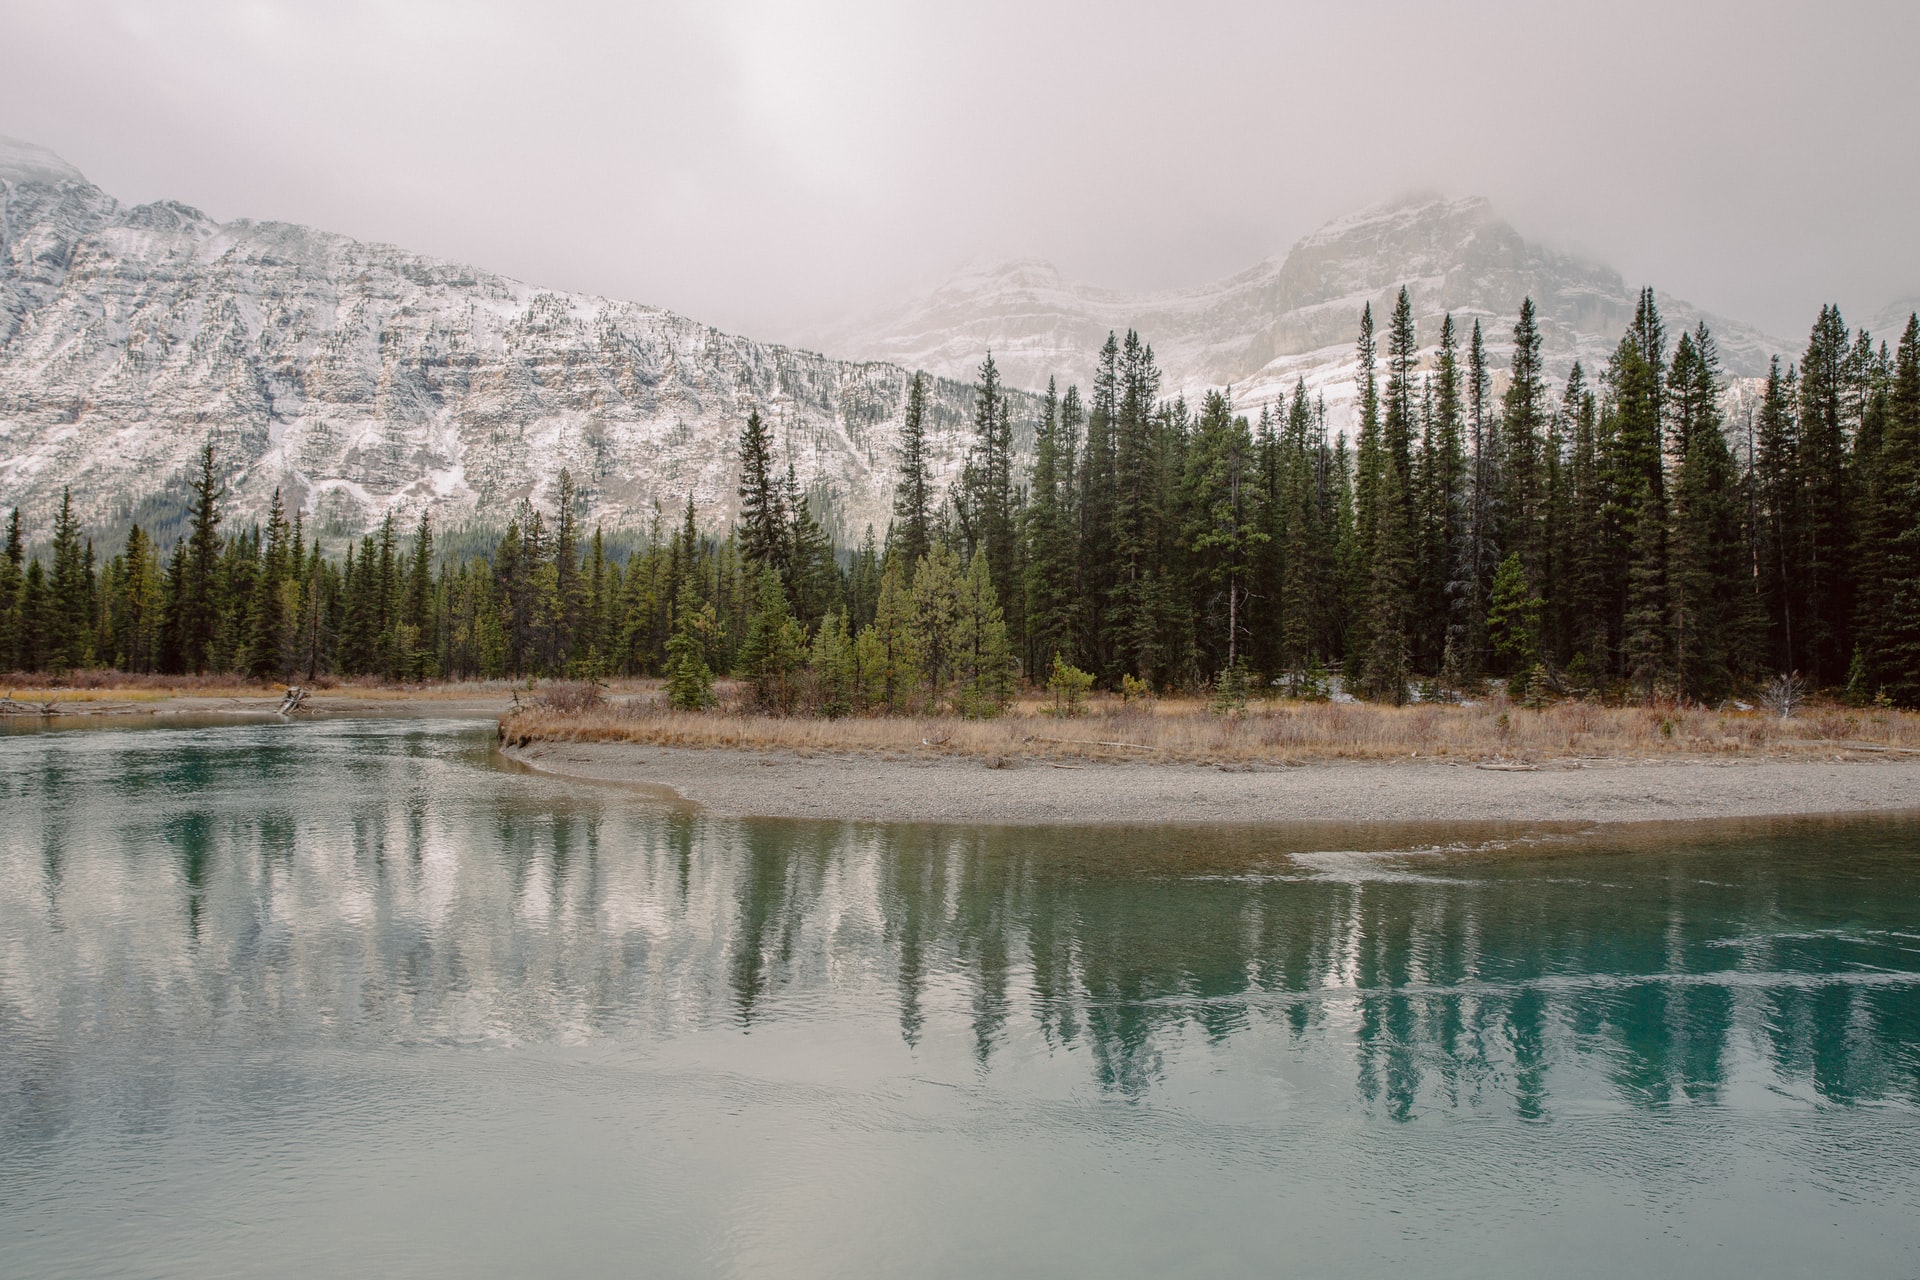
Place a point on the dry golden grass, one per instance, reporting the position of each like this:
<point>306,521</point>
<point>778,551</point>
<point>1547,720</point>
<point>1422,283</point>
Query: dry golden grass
<point>86,688</point>
<point>1183,729</point>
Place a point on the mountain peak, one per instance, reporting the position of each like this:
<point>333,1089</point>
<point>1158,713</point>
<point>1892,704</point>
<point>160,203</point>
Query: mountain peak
<point>26,162</point>
<point>1413,208</point>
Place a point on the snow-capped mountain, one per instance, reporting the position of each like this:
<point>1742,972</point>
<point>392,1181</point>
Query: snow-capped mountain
<point>1289,317</point>
<point>362,379</point>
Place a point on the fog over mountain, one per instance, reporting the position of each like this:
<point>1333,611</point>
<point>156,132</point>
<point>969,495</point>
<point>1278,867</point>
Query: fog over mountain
<point>1291,317</point>
<point>763,163</point>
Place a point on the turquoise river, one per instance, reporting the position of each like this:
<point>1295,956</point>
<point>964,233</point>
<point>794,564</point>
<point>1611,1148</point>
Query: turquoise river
<point>354,998</point>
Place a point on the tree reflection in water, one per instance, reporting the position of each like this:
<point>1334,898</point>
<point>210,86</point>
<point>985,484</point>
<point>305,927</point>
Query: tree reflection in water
<point>386,885</point>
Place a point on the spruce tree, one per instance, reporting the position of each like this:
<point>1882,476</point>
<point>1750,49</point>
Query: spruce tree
<point>1780,534</point>
<point>771,655</point>
<point>1450,512</point>
<point>68,642</point>
<point>1523,423</point>
<point>1366,500</point>
<point>934,618</point>
<point>689,677</point>
<point>982,657</point>
<point>1480,547</point>
<point>35,622</point>
<point>1707,572</point>
<point>268,648</point>
<point>1891,538</point>
<point>890,658</point>
<point>1646,633</point>
<point>1049,559</point>
<point>912,535</point>
<point>764,523</point>
<point>1826,639</point>
<point>197,612</point>
<point>1138,597</point>
<point>1095,568</point>
<point>1223,527</point>
<point>136,605</point>
<point>12,581</point>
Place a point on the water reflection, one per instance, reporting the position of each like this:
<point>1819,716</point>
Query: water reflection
<point>379,883</point>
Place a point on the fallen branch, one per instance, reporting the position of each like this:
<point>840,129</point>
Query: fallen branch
<point>1501,766</point>
<point>1095,742</point>
<point>1846,746</point>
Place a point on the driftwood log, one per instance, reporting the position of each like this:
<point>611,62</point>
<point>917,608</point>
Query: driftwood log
<point>296,700</point>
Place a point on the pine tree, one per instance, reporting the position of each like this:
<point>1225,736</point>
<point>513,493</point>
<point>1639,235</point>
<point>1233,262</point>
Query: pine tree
<point>69,636</point>
<point>35,621</point>
<point>1890,620</point>
<point>890,658</point>
<point>934,618</point>
<point>1223,527</point>
<point>12,582</point>
<point>812,576</point>
<point>1049,560</point>
<point>1780,536</point>
<point>770,657</point>
<point>1648,657</point>
<point>1523,423</point>
<point>1095,579</point>
<point>564,608</point>
<point>764,522</point>
<point>197,611</point>
<point>1823,456</point>
<point>1513,618</point>
<point>689,677</point>
<point>135,609</point>
<point>1366,502</point>
<point>912,535</point>
<point>1480,550</point>
<point>268,649</point>
<point>1138,597</point>
<point>1707,573</point>
<point>986,506</point>
<point>1449,494</point>
<point>982,656</point>
<point>1579,598</point>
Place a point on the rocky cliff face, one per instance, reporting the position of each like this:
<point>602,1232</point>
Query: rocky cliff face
<point>361,379</point>
<point>1290,317</point>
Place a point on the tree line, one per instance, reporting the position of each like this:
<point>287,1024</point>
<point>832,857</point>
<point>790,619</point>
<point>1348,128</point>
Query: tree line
<point>1611,534</point>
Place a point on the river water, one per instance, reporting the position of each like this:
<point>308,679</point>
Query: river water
<point>350,998</point>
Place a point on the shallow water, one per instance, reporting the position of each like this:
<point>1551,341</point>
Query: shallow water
<point>347,998</point>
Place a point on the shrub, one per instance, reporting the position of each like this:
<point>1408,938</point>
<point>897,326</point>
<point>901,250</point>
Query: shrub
<point>1069,686</point>
<point>572,697</point>
<point>1230,691</point>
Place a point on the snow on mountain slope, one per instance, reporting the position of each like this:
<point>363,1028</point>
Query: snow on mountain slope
<point>1288,317</point>
<point>363,379</point>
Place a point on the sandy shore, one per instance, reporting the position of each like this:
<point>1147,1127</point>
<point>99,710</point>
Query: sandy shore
<point>942,789</point>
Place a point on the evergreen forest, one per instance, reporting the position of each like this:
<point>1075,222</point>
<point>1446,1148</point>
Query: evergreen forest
<point>1609,535</point>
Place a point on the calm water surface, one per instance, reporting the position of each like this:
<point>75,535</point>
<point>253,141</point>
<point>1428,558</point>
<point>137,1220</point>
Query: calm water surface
<point>348,999</point>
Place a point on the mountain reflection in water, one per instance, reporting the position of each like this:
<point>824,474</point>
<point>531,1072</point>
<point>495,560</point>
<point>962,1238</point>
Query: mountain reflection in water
<point>373,883</point>
<point>171,899</point>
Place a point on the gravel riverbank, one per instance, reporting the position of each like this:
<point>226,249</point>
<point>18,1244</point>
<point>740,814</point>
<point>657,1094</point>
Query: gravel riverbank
<point>935,788</point>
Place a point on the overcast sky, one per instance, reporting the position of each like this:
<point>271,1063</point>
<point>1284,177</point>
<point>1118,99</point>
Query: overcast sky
<point>760,164</point>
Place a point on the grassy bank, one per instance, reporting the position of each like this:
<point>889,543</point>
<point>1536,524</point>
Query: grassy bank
<point>1279,732</point>
<point>105,693</point>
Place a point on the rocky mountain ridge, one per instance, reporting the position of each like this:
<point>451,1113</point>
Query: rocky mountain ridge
<point>361,379</point>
